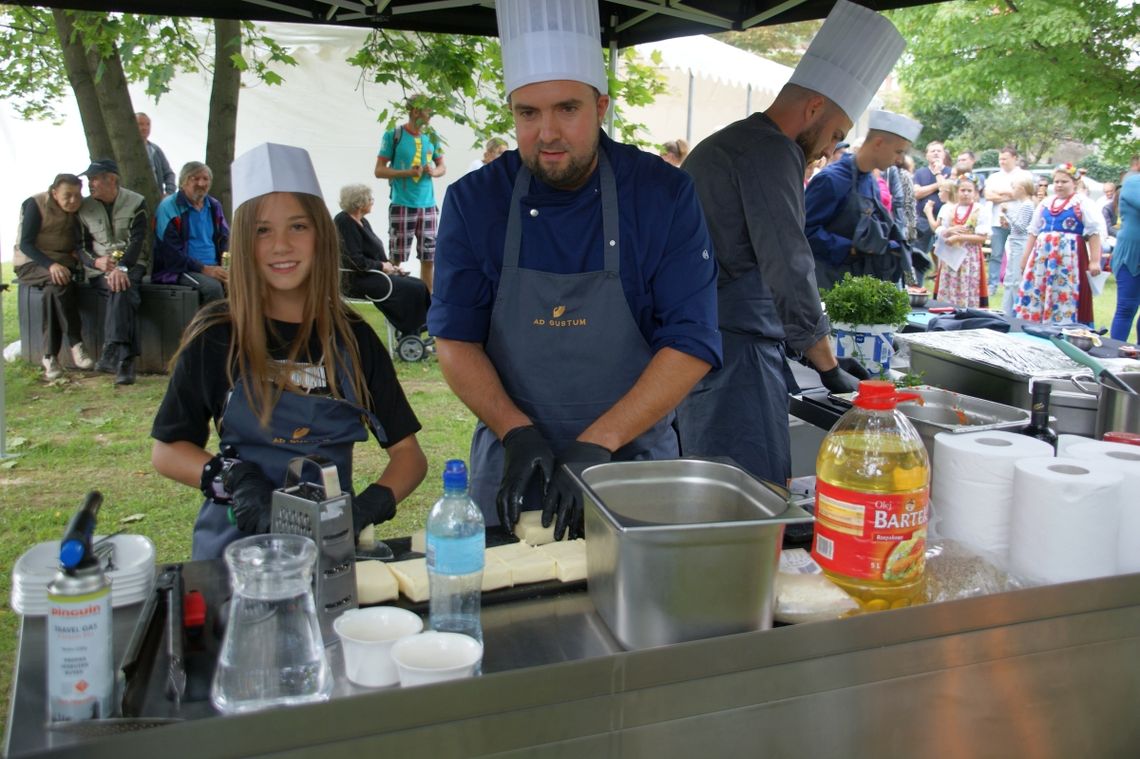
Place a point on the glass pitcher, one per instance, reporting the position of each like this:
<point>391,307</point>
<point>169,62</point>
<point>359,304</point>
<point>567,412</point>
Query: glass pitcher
<point>272,652</point>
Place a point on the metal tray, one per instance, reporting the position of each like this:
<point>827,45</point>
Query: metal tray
<point>948,411</point>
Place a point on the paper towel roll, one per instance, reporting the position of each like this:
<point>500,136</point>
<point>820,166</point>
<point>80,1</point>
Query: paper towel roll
<point>1126,460</point>
<point>1065,518</point>
<point>971,494</point>
<point>1066,441</point>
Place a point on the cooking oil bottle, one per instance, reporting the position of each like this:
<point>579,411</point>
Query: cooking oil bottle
<point>871,502</point>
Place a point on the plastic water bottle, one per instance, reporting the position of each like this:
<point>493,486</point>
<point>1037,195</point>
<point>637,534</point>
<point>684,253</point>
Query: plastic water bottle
<point>455,544</point>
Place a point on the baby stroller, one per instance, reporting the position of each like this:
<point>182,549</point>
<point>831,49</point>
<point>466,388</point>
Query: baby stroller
<point>404,302</point>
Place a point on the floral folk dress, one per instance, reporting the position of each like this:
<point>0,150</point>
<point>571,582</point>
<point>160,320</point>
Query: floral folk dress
<point>1050,290</point>
<point>968,286</point>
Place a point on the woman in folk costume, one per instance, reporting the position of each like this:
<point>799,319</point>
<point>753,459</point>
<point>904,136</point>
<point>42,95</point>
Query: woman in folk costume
<point>1063,244</point>
<point>963,224</point>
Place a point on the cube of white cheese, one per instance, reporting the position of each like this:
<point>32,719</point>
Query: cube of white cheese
<point>496,574</point>
<point>367,538</point>
<point>509,551</point>
<point>535,567</point>
<point>529,529</point>
<point>375,583</point>
<point>413,578</point>
<point>569,558</point>
<point>419,541</point>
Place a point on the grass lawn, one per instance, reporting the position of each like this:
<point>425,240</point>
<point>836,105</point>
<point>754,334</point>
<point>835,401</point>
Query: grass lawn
<point>81,433</point>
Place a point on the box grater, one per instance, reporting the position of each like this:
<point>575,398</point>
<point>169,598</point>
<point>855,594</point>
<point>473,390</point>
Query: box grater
<point>322,512</point>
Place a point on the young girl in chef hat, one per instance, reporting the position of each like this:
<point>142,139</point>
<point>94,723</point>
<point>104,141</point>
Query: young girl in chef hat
<point>283,367</point>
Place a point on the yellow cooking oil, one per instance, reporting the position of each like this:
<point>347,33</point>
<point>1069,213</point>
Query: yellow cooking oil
<point>872,493</point>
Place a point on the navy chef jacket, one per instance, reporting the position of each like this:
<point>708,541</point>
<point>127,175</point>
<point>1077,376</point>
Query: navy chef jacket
<point>668,268</point>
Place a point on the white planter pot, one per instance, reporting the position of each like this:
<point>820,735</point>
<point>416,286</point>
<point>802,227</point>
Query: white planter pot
<point>872,345</point>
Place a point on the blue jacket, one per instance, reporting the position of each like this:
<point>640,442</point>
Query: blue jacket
<point>172,236</point>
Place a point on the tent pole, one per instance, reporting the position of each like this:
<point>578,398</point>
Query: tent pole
<point>613,75</point>
<point>748,102</point>
<point>689,115</point>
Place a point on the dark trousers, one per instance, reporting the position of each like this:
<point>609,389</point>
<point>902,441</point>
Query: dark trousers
<point>61,307</point>
<point>209,289</point>
<point>120,328</point>
<point>405,305</point>
<point>920,254</point>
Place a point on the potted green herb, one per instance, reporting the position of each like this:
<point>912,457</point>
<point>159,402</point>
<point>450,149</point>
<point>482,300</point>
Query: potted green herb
<point>865,312</point>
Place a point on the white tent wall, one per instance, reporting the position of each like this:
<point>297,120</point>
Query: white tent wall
<point>322,106</point>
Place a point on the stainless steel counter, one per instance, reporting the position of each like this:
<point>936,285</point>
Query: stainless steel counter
<point>1043,672</point>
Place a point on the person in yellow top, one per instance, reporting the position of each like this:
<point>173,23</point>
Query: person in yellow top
<point>407,153</point>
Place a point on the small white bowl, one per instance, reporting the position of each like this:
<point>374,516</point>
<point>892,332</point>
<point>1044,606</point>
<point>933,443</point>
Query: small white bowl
<point>433,657</point>
<point>367,637</point>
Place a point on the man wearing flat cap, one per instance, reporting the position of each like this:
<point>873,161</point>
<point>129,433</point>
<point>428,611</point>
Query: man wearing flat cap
<point>749,176</point>
<point>848,227</point>
<point>575,300</point>
<point>113,221</point>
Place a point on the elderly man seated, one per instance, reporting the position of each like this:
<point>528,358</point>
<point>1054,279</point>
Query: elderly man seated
<point>113,223</point>
<point>190,236</point>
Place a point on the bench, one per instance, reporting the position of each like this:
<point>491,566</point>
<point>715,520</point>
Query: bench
<point>164,312</point>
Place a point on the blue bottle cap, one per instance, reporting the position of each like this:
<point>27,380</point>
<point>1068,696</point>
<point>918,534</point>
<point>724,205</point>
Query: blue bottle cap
<point>455,475</point>
<point>71,553</point>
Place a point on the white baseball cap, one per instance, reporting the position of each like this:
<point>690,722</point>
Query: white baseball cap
<point>895,123</point>
<point>270,167</point>
<point>850,57</point>
<point>550,40</point>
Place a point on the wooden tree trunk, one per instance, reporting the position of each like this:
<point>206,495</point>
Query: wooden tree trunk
<point>82,83</point>
<point>222,131</point>
<point>119,116</point>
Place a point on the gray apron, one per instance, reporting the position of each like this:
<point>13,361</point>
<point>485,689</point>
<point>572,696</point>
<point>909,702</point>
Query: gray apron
<point>565,347</point>
<point>301,425</point>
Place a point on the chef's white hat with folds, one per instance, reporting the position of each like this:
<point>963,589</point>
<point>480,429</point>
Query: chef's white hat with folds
<point>270,167</point>
<point>549,40</point>
<point>850,57</point>
<point>895,123</point>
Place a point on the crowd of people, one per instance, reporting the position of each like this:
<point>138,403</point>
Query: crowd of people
<point>872,213</point>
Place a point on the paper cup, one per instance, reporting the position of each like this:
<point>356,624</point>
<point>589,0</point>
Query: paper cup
<point>367,637</point>
<point>436,656</point>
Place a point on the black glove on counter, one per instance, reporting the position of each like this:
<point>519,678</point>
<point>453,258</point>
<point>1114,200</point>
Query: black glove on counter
<point>252,494</point>
<point>525,453</point>
<point>373,505</point>
<point>563,496</point>
<point>854,368</point>
<point>837,381</point>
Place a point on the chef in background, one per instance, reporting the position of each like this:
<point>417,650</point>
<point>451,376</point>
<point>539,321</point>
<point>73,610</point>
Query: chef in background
<point>750,179</point>
<point>575,297</point>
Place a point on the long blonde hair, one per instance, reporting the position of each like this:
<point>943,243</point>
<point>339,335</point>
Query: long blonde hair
<point>325,314</point>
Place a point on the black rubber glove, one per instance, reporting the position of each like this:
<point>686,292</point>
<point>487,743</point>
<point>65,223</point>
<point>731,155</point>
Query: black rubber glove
<point>837,381</point>
<point>252,494</point>
<point>525,454</point>
<point>854,368</point>
<point>564,497</point>
<point>373,505</point>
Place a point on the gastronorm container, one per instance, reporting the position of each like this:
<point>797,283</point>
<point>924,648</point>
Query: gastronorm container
<point>682,549</point>
<point>1075,411</point>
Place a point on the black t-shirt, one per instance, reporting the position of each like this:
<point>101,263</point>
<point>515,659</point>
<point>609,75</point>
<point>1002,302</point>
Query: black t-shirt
<point>198,385</point>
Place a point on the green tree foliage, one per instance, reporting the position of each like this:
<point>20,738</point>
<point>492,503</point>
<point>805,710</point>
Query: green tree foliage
<point>783,43</point>
<point>152,49</point>
<point>1074,55</point>
<point>460,78</point>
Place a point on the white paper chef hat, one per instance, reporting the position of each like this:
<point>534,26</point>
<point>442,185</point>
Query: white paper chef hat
<point>273,168</point>
<point>895,123</point>
<point>548,40</point>
<point>850,57</point>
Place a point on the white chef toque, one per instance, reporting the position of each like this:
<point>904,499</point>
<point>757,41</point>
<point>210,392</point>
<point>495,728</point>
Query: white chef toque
<point>549,40</point>
<point>273,168</point>
<point>850,57</point>
<point>895,123</point>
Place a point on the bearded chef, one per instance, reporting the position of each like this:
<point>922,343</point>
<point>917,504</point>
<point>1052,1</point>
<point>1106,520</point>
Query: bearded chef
<point>749,177</point>
<point>575,291</point>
